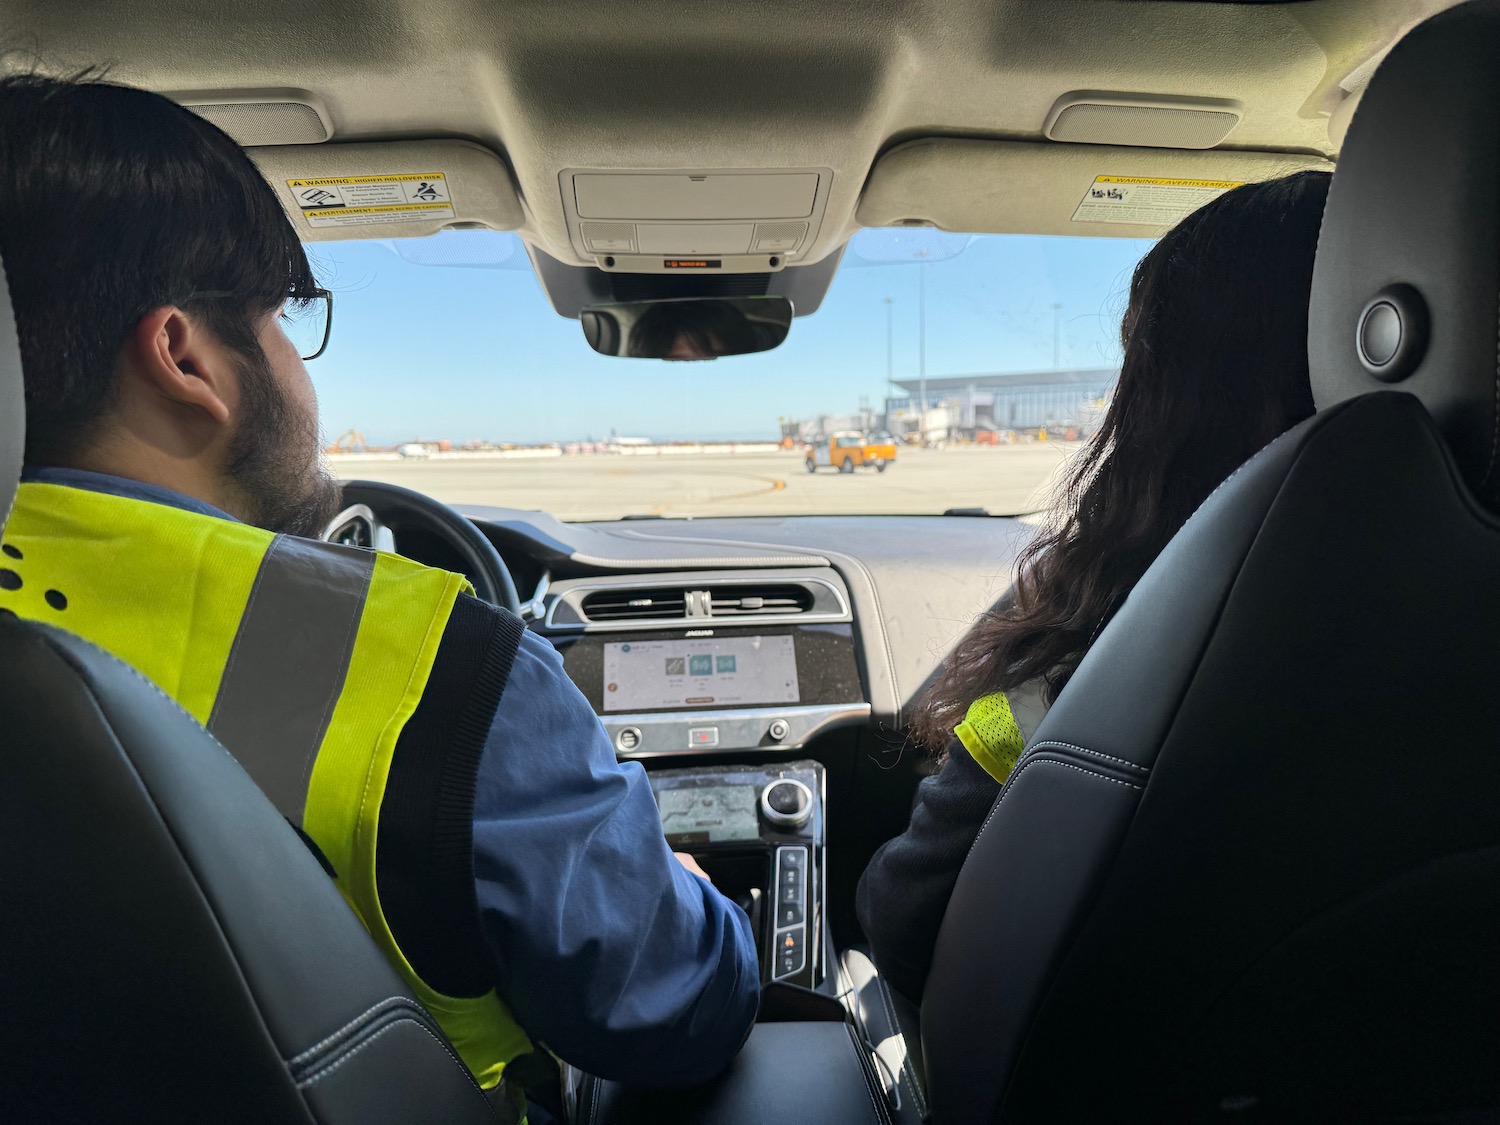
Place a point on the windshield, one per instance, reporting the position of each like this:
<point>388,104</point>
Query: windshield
<point>941,372</point>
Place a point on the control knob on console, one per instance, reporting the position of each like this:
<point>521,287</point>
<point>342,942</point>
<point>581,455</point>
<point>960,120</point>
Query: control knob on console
<point>786,803</point>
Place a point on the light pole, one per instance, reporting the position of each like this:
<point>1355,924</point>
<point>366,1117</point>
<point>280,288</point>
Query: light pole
<point>922,347</point>
<point>1056,335</point>
<point>890,353</point>
<point>890,340</point>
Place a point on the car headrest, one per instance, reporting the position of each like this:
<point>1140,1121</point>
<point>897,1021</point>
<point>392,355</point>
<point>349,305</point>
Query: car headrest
<point>12,404</point>
<point>1406,290</point>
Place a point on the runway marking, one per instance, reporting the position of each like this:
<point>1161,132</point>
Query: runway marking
<point>776,485</point>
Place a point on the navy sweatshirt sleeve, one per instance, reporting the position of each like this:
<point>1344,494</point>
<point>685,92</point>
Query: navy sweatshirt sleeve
<point>904,892</point>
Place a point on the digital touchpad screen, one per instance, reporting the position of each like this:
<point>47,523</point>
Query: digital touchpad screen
<point>709,813</point>
<point>701,672</point>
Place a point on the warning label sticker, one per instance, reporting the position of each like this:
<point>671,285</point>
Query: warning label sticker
<point>1137,199</point>
<point>349,201</point>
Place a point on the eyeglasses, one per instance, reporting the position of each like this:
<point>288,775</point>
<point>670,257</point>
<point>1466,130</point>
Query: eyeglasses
<point>307,320</point>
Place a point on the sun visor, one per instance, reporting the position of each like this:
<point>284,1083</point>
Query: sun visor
<point>390,189</point>
<point>1026,187</point>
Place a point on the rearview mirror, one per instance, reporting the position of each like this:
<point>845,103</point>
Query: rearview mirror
<point>689,328</point>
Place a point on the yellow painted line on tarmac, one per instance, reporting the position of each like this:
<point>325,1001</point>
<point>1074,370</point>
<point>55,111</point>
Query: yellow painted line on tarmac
<point>776,483</point>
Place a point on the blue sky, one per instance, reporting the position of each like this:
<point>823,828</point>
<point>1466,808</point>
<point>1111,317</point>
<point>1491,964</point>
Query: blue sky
<point>428,352</point>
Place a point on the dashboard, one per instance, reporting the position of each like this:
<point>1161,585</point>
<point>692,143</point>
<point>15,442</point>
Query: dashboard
<point>757,633</point>
<point>763,671</point>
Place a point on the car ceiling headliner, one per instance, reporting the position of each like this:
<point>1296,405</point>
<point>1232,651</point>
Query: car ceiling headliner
<point>554,84</point>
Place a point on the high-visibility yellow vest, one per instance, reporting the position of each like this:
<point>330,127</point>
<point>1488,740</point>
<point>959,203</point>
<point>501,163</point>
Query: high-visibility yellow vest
<point>304,659</point>
<point>991,735</point>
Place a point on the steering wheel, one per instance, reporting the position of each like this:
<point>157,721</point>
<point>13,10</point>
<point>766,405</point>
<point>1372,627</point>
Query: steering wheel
<point>375,514</point>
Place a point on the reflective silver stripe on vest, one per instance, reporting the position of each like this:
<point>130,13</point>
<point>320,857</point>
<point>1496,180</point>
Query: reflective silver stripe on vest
<point>287,666</point>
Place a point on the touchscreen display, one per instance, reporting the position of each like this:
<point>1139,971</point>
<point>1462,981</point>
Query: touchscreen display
<point>701,672</point>
<point>709,812</point>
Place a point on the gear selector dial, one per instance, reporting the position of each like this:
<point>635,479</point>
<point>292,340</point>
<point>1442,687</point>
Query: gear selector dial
<point>786,803</point>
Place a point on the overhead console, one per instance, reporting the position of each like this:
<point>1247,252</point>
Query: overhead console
<point>704,662</point>
<point>687,220</point>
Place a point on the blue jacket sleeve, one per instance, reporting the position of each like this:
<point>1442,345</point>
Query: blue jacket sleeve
<point>608,951</point>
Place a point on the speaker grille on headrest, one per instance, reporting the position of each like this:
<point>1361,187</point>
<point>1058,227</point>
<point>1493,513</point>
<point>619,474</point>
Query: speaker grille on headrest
<point>1141,126</point>
<point>266,123</point>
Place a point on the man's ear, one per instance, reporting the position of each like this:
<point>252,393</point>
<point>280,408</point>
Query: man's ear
<point>175,356</point>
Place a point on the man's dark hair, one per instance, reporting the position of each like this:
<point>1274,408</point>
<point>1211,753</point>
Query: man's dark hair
<point>113,202</point>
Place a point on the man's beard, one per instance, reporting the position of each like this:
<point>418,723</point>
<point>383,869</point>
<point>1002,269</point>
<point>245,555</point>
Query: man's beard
<point>274,458</point>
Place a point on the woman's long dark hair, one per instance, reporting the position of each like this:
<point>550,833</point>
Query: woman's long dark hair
<point>1215,366</point>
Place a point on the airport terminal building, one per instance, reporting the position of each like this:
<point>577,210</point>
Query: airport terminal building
<point>1017,401</point>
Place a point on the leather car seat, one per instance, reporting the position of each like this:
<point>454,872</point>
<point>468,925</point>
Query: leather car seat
<point>172,951</point>
<point>1249,866</point>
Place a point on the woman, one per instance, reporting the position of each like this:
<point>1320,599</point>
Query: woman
<point>1215,366</point>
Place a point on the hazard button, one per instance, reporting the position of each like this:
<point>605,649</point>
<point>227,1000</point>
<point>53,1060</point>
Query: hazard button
<point>789,952</point>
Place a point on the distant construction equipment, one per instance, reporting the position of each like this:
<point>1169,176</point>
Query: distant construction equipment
<point>350,441</point>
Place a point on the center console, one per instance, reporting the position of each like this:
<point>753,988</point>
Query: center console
<point>726,668</point>
<point>706,663</point>
<point>759,834</point>
<point>716,681</point>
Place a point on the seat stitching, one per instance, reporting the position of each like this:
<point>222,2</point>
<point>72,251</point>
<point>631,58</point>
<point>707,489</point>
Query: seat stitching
<point>1041,762</point>
<point>326,1071</point>
<point>855,1009</point>
<point>301,1056</point>
<point>155,687</point>
<point>907,1071</point>
<point>143,678</point>
<point>1091,753</point>
<point>1244,467</point>
<point>864,1075</point>
<point>850,995</point>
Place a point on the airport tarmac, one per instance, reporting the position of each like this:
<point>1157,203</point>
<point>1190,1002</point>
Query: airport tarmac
<point>1002,479</point>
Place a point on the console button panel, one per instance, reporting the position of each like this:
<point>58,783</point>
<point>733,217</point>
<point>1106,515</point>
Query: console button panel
<point>789,943</point>
<point>759,833</point>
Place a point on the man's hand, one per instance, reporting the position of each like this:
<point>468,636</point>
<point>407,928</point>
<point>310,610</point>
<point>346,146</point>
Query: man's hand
<point>691,864</point>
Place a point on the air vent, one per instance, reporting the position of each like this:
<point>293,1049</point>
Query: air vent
<point>752,601</point>
<point>635,605</point>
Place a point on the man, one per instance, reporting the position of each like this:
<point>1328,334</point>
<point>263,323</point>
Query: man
<point>432,751</point>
